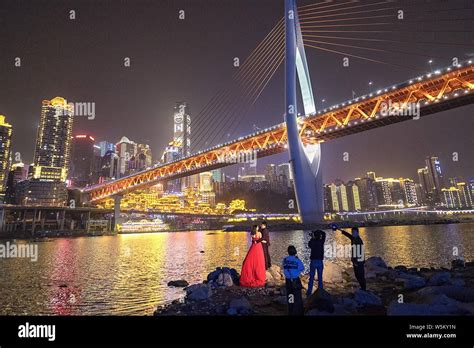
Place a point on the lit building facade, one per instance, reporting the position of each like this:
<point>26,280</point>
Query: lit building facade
<point>83,160</point>
<point>54,140</point>
<point>5,153</point>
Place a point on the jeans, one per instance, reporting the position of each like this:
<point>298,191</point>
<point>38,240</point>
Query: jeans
<point>294,298</point>
<point>319,266</point>
<point>359,273</point>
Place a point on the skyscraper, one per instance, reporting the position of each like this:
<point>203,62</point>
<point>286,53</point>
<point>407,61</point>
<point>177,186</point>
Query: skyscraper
<point>435,178</point>
<point>5,153</point>
<point>106,146</point>
<point>126,150</point>
<point>82,164</point>
<point>53,142</point>
<point>367,193</point>
<point>423,181</point>
<point>182,128</point>
<point>47,184</point>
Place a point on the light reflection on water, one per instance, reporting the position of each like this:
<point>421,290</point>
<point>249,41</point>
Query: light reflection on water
<point>128,274</point>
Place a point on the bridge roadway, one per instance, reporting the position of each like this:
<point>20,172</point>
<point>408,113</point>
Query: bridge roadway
<point>438,91</point>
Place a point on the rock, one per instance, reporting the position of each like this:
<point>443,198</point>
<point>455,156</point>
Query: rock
<point>225,279</point>
<point>440,278</point>
<point>348,302</point>
<point>458,263</point>
<point>198,292</point>
<point>239,306</point>
<point>375,262</point>
<point>178,283</point>
<point>332,273</point>
<point>423,309</point>
<point>276,273</point>
<point>320,300</point>
<point>280,300</point>
<point>455,292</point>
<point>338,310</point>
<point>364,298</point>
<point>411,281</point>
<point>458,282</point>
<point>214,275</point>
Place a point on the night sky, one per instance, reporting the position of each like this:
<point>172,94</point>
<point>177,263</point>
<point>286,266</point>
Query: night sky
<point>192,59</point>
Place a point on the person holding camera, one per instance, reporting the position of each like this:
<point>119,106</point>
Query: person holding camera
<point>292,268</point>
<point>316,244</point>
<point>357,258</point>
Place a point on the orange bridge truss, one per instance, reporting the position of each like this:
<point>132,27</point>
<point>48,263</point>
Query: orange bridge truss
<point>438,91</point>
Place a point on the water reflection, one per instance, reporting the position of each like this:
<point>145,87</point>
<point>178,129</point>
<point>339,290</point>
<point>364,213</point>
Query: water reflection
<point>128,274</point>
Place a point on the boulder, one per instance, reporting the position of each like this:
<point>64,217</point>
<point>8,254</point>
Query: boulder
<point>364,298</point>
<point>332,273</point>
<point>458,263</point>
<point>411,281</point>
<point>338,310</point>
<point>239,306</point>
<point>178,283</point>
<point>214,275</point>
<point>457,293</point>
<point>439,278</point>
<point>276,273</point>
<point>225,279</point>
<point>375,262</point>
<point>320,300</point>
<point>198,292</point>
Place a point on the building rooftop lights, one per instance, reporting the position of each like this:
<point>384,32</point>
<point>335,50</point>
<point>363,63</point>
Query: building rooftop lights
<point>429,75</point>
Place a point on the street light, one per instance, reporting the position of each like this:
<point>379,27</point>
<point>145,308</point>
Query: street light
<point>323,101</point>
<point>430,62</point>
<point>370,86</point>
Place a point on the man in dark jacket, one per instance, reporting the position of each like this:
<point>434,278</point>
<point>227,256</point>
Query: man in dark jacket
<point>357,258</point>
<point>265,244</point>
<point>316,245</point>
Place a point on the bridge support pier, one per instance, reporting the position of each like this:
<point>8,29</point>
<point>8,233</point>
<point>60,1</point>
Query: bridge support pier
<point>304,162</point>
<point>117,221</point>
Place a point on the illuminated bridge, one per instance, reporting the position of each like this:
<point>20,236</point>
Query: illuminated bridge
<point>441,90</point>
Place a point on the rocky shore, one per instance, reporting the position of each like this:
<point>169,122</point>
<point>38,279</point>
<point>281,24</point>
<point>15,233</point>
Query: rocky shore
<point>390,291</point>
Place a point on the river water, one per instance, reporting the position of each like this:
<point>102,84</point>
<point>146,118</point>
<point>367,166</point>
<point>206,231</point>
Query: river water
<point>128,274</point>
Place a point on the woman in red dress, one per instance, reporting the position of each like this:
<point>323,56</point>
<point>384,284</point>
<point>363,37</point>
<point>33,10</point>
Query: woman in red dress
<point>253,269</point>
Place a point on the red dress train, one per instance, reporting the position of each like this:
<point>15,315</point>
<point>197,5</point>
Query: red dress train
<point>253,269</point>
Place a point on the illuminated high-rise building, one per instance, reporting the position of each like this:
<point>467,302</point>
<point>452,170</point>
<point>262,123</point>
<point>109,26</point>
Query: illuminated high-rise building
<point>82,164</point>
<point>126,150</point>
<point>182,128</point>
<point>424,186</point>
<point>5,153</point>
<point>353,197</point>
<point>465,195</point>
<point>205,182</point>
<point>53,142</point>
<point>435,178</point>
<point>451,198</point>
<point>106,146</point>
<point>367,193</point>
<point>409,192</point>
<point>371,175</point>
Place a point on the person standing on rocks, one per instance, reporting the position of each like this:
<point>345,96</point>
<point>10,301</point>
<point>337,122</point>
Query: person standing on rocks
<point>357,257</point>
<point>316,244</point>
<point>266,244</point>
<point>292,268</point>
<point>253,268</point>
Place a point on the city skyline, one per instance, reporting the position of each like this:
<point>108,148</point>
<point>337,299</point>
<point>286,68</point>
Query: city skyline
<point>142,111</point>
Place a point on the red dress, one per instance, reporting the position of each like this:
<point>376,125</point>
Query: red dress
<point>253,269</point>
